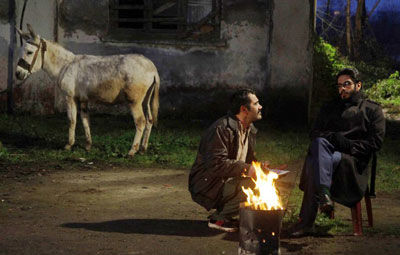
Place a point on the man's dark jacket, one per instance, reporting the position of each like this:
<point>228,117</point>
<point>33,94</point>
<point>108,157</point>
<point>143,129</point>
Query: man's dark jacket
<point>216,160</point>
<point>362,124</point>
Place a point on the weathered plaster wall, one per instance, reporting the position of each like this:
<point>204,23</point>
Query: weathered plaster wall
<point>290,60</point>
<point>4,42</point>
<point>4,11</point>
<point>36,94</point>
<point>189,74</point>
<point>194,78</point>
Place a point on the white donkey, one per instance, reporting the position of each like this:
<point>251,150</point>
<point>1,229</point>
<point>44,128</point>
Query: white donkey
<point>84,78</point>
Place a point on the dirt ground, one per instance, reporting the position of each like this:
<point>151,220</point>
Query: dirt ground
<point>101,209</point>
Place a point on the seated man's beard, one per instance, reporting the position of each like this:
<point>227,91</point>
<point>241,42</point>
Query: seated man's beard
<point>351,94</point>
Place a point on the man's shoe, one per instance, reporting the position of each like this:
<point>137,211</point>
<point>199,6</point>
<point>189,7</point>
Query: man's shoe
<point>224,225</point>
<point>300,232</point>
<point>324,201</point>
<point>326,205</point>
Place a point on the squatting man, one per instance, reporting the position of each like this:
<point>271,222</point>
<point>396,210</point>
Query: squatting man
<point>223,162</point>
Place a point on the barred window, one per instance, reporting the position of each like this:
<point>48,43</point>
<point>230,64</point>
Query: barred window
<point>164,19</point>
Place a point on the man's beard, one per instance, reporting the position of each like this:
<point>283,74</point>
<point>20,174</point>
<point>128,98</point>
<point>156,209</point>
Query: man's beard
<point>350,94</point>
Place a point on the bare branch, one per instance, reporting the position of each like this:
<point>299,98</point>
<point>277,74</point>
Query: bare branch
<point>373,8</point>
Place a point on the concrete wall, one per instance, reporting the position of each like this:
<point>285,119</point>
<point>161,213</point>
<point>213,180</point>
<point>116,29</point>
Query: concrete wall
<point>4,43</point>
<point>290,60</point>
<point>195,79</point>
<point>36,94</point>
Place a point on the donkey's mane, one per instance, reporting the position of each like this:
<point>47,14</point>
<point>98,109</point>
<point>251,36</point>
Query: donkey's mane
<point>57,57</point>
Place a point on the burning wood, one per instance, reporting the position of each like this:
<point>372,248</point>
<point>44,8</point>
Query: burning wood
<point>261,216</point>
<point>265,195</point>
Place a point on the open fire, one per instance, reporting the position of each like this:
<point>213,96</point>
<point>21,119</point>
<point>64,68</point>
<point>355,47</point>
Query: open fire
<point>265,195</point>
<point>261,216</point>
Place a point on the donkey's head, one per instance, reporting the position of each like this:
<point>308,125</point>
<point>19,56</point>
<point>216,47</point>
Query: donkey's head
<point>31,54</point>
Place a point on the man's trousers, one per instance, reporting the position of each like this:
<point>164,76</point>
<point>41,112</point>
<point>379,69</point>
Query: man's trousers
<point>320,164</point>
<point>229,204</point>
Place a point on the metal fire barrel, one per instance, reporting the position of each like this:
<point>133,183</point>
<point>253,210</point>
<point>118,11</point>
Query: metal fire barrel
<point>259,231</point>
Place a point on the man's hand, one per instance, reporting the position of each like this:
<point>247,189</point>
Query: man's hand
<point>252,172</point>
<point>265,165</point>
<point>281,167</point>
<point>340,142</point>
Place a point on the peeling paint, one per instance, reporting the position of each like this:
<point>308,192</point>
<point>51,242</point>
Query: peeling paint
<point>81,37</point>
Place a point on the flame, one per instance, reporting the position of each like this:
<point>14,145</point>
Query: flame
<point>265,195</point>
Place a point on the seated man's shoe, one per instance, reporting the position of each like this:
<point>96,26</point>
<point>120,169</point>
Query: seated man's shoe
<point>325,202</point>
<point>299,230</point>
<point>326,206</point>
<point>302,232</point>
<point>224,225</point>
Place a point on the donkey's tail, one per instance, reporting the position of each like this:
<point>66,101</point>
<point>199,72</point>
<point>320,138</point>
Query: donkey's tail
<point>155,103</point>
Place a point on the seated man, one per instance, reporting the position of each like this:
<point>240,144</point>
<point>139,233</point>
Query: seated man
<point>347,132</point>
<point>225,154</point>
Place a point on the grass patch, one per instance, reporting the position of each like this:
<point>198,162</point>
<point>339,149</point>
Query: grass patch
<point>37,142</point>
<point>30,139</point>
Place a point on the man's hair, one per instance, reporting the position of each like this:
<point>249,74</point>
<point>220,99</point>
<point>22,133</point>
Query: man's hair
<point>352,72</point>
<point>239,98</point>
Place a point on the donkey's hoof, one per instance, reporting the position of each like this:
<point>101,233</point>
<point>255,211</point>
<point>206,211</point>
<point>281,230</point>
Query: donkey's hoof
<point>68,147</point>
<point>142,150</point>
<point>131,153</point>
<point>88,147</point>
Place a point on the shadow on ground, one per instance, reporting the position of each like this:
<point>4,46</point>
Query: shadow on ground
<point>168,227</point>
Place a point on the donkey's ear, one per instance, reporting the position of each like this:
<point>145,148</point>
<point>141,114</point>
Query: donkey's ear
<point>23,35</point>
<point>30,29</point>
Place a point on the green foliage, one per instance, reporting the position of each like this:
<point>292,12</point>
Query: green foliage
<point>386,91</point>
<point>38,141</point>
<point>174,143</point>
<point>388,172</point>
<point>328,62</point>
<point>3,151</point>
<point>329,57</point>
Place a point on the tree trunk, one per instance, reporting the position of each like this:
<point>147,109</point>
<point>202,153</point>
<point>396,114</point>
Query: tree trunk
<point>359,28</point>
<point>348,28</point>
<point>328,6</point>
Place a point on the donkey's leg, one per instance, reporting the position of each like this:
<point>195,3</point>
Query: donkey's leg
<point>85,122</point>
<point>71,112</point>
<point>146,135</point>
<point>138,116</point>
<point>149,121</point>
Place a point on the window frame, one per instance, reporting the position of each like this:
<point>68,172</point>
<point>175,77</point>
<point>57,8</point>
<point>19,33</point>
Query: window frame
<point>184,34</point>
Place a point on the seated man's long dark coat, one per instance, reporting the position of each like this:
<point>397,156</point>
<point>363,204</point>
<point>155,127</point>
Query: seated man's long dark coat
<point>361,121</point>
<point>216,160</point>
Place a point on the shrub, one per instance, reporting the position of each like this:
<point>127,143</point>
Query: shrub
<point>386,91</point>
<point>328,62</point>
<point>3,151</point>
